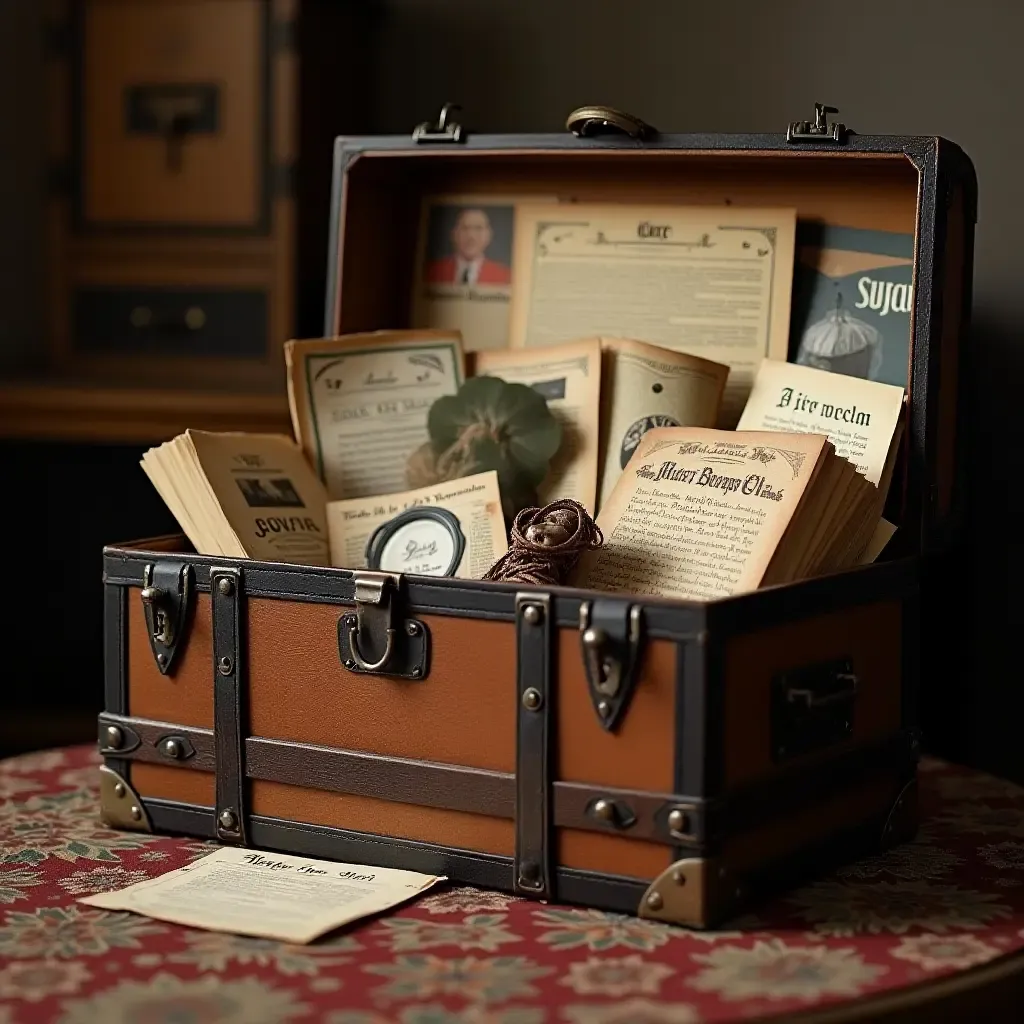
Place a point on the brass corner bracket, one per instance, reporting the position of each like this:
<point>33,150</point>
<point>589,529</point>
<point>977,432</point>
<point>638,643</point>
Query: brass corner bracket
<point>120,806</point>
<point>690,892</point>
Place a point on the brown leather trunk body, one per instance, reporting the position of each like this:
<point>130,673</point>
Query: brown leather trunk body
<point>747,743</point>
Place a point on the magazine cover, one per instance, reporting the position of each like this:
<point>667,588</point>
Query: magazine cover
<point>852,298</point>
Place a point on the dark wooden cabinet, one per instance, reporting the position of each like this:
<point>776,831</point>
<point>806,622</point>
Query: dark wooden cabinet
<point>191,160</point>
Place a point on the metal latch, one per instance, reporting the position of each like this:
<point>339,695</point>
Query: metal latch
<point>819,130</point>
<point>443,131</point>
<point>167,590</point>
<point>610,637</point>
<point>375,640</point>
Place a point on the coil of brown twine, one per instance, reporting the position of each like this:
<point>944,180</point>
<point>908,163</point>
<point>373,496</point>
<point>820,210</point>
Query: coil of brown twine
<point>546,543</point>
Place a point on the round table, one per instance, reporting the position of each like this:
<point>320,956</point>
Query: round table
<point>933,930</point>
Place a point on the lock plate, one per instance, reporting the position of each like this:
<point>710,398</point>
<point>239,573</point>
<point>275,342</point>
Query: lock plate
<point>167,596</point>
<point>375,639</point>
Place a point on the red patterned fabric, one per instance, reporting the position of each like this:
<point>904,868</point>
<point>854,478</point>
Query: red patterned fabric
<point>951,900</point>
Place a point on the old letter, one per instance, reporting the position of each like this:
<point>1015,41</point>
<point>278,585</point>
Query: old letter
<point>700,514</point>
<point>359,403</point>
<point>570,378</point>
<point>475,501</point>
<point>860,417</point>
<point>711,281</point>
<point>647,386</point>
<point>269,895</point>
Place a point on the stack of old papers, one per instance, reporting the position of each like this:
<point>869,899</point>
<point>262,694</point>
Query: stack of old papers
<point>702,514</point>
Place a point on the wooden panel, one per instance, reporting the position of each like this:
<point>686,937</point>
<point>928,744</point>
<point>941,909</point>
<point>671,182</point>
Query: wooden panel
<point>165,782</point>
<point>184,697</point>
<point>811,824</point>
<point>464,712</point>
<point>870,635</point>
<point>611,855</point>
<point>127,177</point>
<point>640,754</point>
<point>379,817</point>
<point>383,191</point>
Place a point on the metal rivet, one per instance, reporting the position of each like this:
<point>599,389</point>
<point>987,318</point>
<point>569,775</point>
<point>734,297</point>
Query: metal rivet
<point>532,614</point>
<point>161,660</point>
<point>119,789</point>
<point>173,748</point>
<point>529,873</point>
<point>676,820</point>
<point>227,820</point>
<point>605,810</point>
<point>678,877</point>
<point>655,902</point>
<point>349,663</point>
<point>416,672</point>
<point>532,699</point>
<point>412,628</point>
<point>604,709</point>
<point>594,638</point>
<point>114,737</point>
<point>225,666</point>
<point>225,586</point>
<point>136,813</point>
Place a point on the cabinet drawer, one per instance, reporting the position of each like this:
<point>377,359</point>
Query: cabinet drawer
<point>172,105</point>
<point>171,322</point>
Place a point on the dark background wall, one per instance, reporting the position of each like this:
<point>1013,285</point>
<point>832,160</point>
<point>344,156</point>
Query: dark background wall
<point>727,65</point>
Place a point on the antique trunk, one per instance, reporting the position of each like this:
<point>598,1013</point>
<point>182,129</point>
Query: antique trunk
<point>664,758</point>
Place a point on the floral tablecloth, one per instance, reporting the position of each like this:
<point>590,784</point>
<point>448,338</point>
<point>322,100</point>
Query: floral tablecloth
<point>951,900</point>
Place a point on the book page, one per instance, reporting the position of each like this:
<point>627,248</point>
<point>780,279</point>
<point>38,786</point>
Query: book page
<point>646,386</point>
<point>474,500</point>
<point>712,281</point>
<point>359,403</point>
<point>570,378</point>
<point>268,895</point>
<point>698,514</point>
<point>883,533</point>
<point>463,276</point>
<point>860,417</point>
<point>268,494</point>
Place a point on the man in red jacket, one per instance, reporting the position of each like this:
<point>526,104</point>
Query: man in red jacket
<point>469,265</point>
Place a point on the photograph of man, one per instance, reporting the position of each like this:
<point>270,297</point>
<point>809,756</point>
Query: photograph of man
<point>469,245</point>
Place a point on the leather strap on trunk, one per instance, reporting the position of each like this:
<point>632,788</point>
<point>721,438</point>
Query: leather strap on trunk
<point>228,711</point>
<point>534,870</point>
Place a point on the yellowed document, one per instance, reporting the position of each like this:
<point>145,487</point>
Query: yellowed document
<point>463,275</point>
<point>269,895</point>
<point>697,516</point>
<point>569,377</point>
<point>243,495</point>
<point>713,281</point>
<point>359,403</point>
<point>879,540</point>
<point>646,386</point>
<point>861,417</point>
<point>424,545</point>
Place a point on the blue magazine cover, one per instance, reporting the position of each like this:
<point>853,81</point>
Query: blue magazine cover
<point>852,300</point>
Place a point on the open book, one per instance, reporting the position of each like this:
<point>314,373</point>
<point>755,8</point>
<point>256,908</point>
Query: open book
<point>702,514</point>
